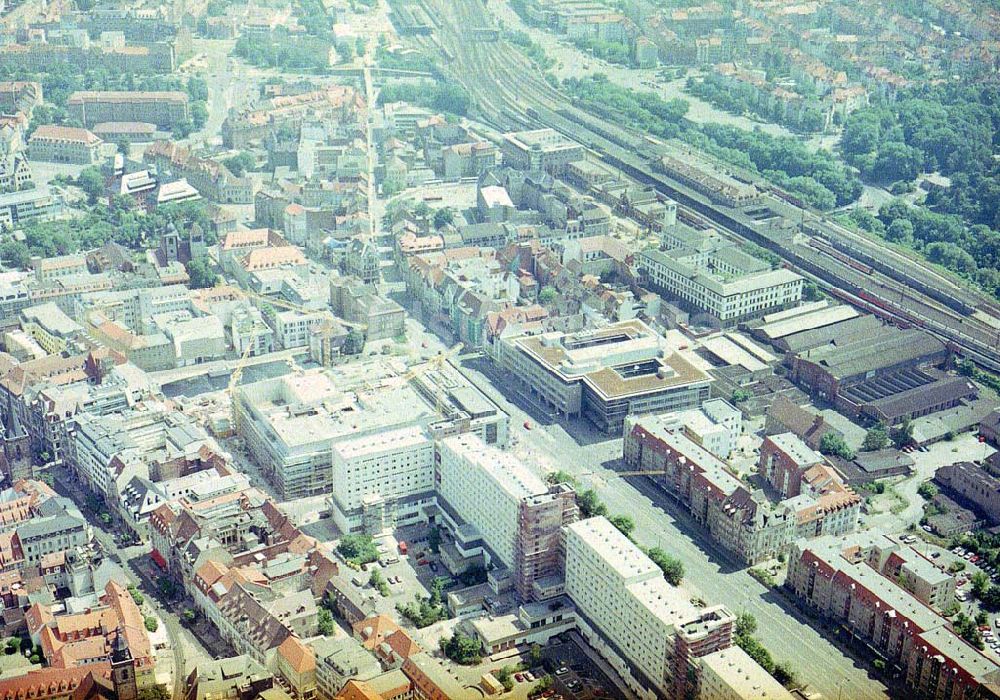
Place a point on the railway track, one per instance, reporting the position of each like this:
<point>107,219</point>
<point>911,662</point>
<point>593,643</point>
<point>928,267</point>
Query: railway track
<point>510,94</point>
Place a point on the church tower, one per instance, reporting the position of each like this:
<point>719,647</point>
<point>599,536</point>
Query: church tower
<point>123,669</point>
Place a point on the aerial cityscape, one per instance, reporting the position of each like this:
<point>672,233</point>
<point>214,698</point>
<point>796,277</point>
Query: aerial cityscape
<point>514,349</point>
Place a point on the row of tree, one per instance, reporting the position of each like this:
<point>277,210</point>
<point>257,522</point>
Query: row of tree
<point>817,177</point>
<point>741,97</point>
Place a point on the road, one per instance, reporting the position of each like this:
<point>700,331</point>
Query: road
<point>592,457</point>
<point>186,650</point>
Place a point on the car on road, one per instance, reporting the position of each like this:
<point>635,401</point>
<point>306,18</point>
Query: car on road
<point>562,671</point>
<point>527,425</point>
<point>519,677</point>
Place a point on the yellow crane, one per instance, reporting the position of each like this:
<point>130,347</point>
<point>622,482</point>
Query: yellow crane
<point>437,362</point>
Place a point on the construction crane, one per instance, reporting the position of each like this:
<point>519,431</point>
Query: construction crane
<point>437,362</point>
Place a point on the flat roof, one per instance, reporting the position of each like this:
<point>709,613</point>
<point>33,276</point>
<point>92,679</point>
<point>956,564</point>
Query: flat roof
<point>619,360</point>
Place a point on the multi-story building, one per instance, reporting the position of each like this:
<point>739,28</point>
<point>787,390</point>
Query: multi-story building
<point>836,579</point>
<point>711,276</point>
<point>745,523</point>
<point>50,327</point>
<point>292,328</point>
<point>517,516</point>
<point>606,374</point>
<point>165,109</point>
<point>290,423</point>
<point>64,144</point>
<point>731,674</point>
<point>784,460</point>
<point>715,426</point>
<point>383,479</point>
<point>649,631</point>
<point>90,636</point>
<point>48,269</point>
<point>540,150</point>
<point>972,485</point>
<point>27,205</point>
<point>340,660</point>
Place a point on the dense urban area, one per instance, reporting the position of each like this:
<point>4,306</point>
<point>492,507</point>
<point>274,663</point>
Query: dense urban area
<point>460,349</point>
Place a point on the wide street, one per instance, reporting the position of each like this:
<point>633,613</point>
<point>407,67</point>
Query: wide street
<point>592,457</point>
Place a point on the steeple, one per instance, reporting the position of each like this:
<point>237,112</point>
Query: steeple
<point>123,668</point>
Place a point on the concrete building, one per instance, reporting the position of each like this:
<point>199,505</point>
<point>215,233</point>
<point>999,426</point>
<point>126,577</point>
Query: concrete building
<point>517,516</point>
<point>48,269</point>
<point>64,144</point>
<point>730,674</point>
<point>540,150</point>
<point>836,580</point>
<point>649,631</point>
<point>50,327</point>
<point>715,426</point>
<point>974,486</point>
<point>290,423</point>
<point>711,276</point>
<point>165,109</point>
<point>784,459</point>
<point>340,660</point>
<point>606,374</point>
<point>382,480</point>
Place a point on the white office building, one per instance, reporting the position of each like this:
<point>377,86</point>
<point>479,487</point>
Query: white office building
<point>516,515</point>
<point>649,631</point>
<point>382,480</point>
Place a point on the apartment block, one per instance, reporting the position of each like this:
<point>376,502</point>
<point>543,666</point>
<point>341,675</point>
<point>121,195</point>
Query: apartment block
<point>744,522</point>
<point>730,674</point>
<point>784,460</point>
<point>165,109</point>
<point>649,631</point>
<point>382,480</point>
<point>517,515</point>
<point>836,580</point>
<point>63,144</point>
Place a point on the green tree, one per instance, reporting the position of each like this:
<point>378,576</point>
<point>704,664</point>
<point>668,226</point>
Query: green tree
<point>927,490</point>
<point>15,254</point>
<point>151,624</point>
<point>124,146</point>
<point>833,444</point>
<point>560,477</point>
<point>324,622</point>
<point>979,583</point>
<point>548,295</point>
<point>354,344</point>
<point>590,504</point>
<point>200,273</point>
<point>91,181</point>
<point>443,217</point>
<point>877,438</point>
<point>672,567</point>
<point>434,538</point>
<point>746,625</point>
<point>240,163</point>
<point>461,649</point>
<point>903,435</point>
<point>157,691</point>
<point>624,523</point>
<point>740,395</point>
<point>359,549</point>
